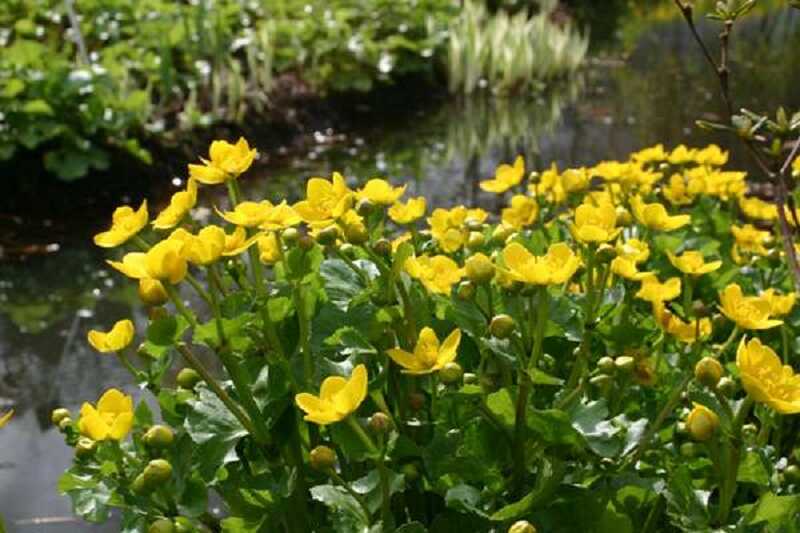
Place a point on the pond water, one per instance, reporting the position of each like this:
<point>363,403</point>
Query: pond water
<point>622,102</point>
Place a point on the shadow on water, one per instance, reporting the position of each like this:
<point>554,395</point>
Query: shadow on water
<point>48,302</point>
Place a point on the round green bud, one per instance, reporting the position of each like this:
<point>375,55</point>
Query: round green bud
<point>501,326</point>
<point>792,474</point>
<point>159,437</point>
<point>365,207</point>
<point>416,400</point>
<point>183,525</point>
<point>605,253</point>
<point>188,378</point>
<point>382,247</point>
<point>601,381</point>
<point>85,447</point>
<point>690,449</point>
<point>327,235</point>
<point>479,268</point>
<point>625,363</point>
<point>322,458</point>
<point>58,415</point>
<point>356,234</point>
<point>702,423</point>
<point>379,423</point>
<point>290,236</point>
<point>726,386</point>
<point>749,431</point>
<point>138,485</point>
<point>465,291</point>
<point>65,423</point>
<point>157,472</point>
<point>606,365</point>
<point>474,225</point>
<point>700,309</point>
<point>162,525</point>
<point>305,242</point>
<point>522,526</point>
<point>470,378</point>
<point>451,373</point>
<point>500,234</point>
<point>708,371</point>
<point>410,471</point>
<point>347,250</point>
<point>475,240</point>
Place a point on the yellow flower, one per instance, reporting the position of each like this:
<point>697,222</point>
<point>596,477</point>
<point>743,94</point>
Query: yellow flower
<point>682,155</point>
<point>325,200</point>
<point>111,419</point>
<point>380,192</point>
<point>687,332</point>
<point>522,212</point>
<point>248,214</point>
<point>405,237</point>
<point>626,268</point>
<point>280,216</point>
<point>165,262</point>
<point>766,379</point>
<point>411,211</point>
<point>449,227</point>
<point>6,417</point>
<point>338,398</point>
<point>555,267</point>
<point>757,209</point>
<point>237,242</point>
<point>780,304</point>
<point>712,155</point>
<point>692,262</point>
<point>125,223</point>
<point>115,340</point>
<point>595,223</point>
<point>796,167</point>
<point>226,161</point>
<point>633,249</point>
<point>207,246</point>
<point>702,423</point>
<point>655,216</point>
<point>269,249</point>
<point>179,205</point>
<point>654,291</point>
<point>749,312</point>
<point>751,240</point>
<point>429,356</point>
<point>654,154</point>
<point>438,274</point>
<point>677,191</point>
<point>505,177</point>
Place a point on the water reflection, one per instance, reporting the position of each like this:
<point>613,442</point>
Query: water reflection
<point>48,303</point>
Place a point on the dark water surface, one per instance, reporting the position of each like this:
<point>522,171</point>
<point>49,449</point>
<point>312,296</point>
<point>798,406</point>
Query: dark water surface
<point>652,94</point>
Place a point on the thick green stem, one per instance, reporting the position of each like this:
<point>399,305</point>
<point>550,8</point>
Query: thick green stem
<point>728,488</point>
<point>175,297</point>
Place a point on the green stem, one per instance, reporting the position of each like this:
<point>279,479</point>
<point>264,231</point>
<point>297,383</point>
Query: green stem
<point>362,435</point>
<point>688,288</point>
<point>356,496</point>
<point>669,407</point>
<point>731,338</point>
<point>137,375</point>
<point>728,488</point>
<point>305,334</point>
<point>785,343</point>
<point>178,303</point>
<point>198,288</point>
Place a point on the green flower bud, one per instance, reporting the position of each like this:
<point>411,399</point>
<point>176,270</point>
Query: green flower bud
<point>382,247</point>
<point>305,242</point>
<point>152,292</point>
<point>602,382</point>
<point>792,474</point>
<point>356,234</point>
<point>159,437</point>
<point>474,225</point>
<point>700,309</point>
<point>479,268</point>
<point>451,373</point>
<point>379,423</point>
<point>322,458</point>
<point>690,449</point>
<point>58,415</point>
<point>606,365</point>
<point>625,363</point>
<point>64,424</point>
<point>157,472</point>
<point>347,250</point>
<point>465,291</point>
<point>501,326</point>
<point>702,423</point>
<point>188,378</point>
<point>162,525</point>
<point>726,387</point>
<point>138,485</point>
<point>290,236</point>
<point>522,526</point>
<point>327,235</point>
<point>708,371</point>
<point>85,447</point>
<point>475,240</point>
<point>500,234</point>
<point>183,525</point>
<point>749,431</point>
<point>410,471</point>
<point>365,207</point>
<point>605,253</point>
<point>470,378</point>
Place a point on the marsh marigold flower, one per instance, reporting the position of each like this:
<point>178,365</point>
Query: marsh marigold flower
<point>595,223</point>
<point>118,338</point>
<point>226,161</point>
<point>179,206</point>
<point>749,239</point>
<point>692,262</point>
<point>237,242</point>
<point>437,274</point>
<point>429,355</point>
<point>247,214</point>
<point>748,312</point>
<point>505,177</point>
<point>652,290</point>
<point>325,200</point>
<point>757,209</point>
<point>633,249</point>
<point>406,213</point>
<point>110,420</point>
<point>766,379</point>
<point>521,212</point>
<point>338,398</point>
<point>380,192</point>
<point>449,227</point>
<point>702,423</point>
<point>207,246</point>
<point>626,268</point>
<point>125,223</point>
<point>780,304</point>
<point>687,332</point>
<point>555,267</point>
<point>269,249</point>
<point>655,216</point>
<point>165,262</point>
